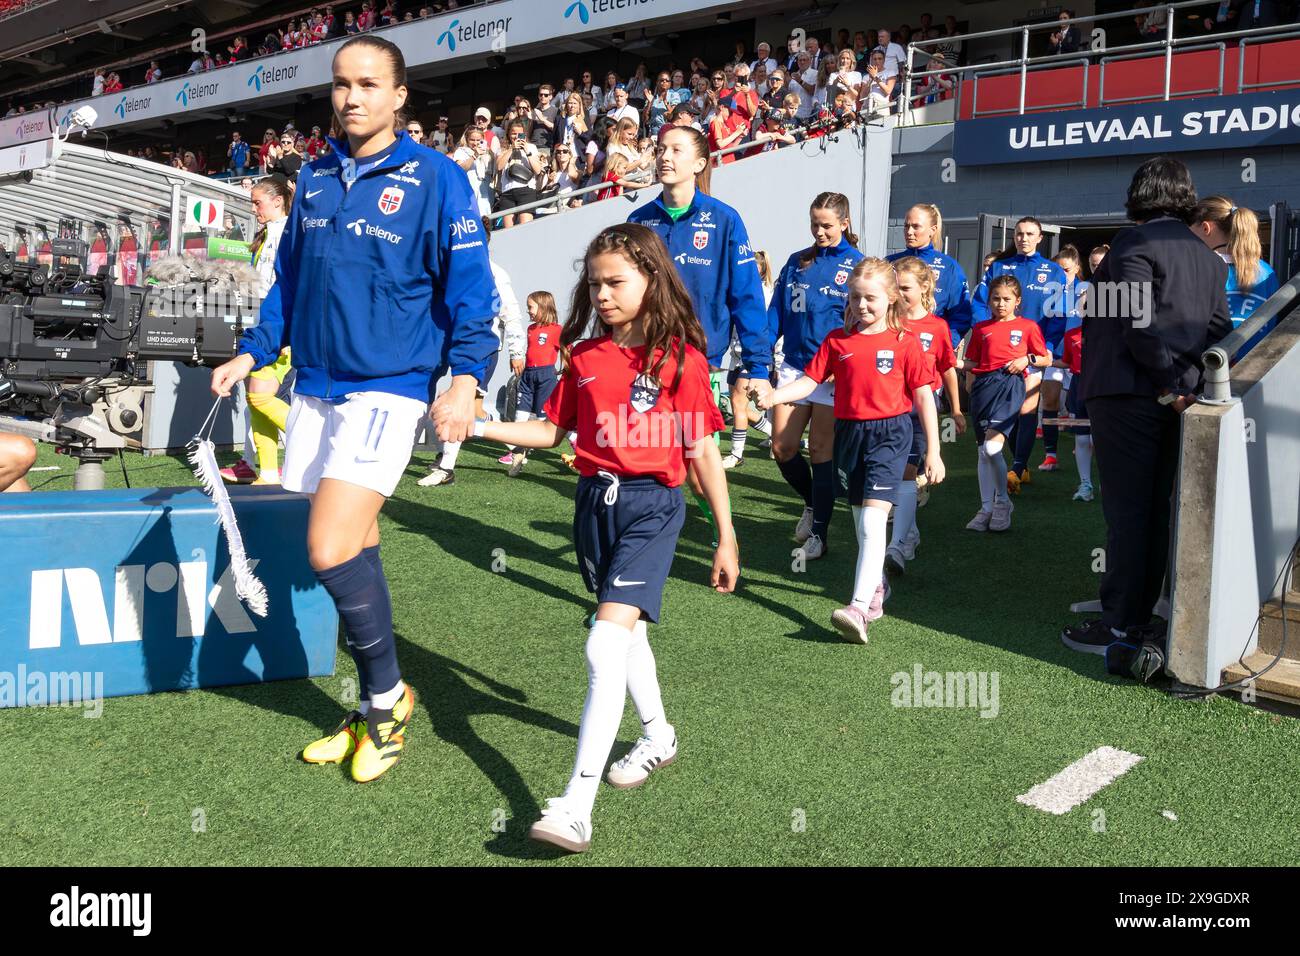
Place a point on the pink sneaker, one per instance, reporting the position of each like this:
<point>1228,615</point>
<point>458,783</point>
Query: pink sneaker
<point>506,459</point>
<point>239,473</point>
<point>852,624</point>
<point>877,609</point>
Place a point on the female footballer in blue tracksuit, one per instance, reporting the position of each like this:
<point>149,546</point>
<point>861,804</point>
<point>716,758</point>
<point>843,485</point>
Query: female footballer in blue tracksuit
<point>808,303</point>
<point>382,283</point>
<point>923,231</point>
<point>710,248</point>
<point>1043,286</point>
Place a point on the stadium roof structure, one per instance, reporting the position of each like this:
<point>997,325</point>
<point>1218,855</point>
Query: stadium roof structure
<point>98,189</point>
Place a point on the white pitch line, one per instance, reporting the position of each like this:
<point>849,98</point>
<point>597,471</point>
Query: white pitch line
<point>1079,781</point>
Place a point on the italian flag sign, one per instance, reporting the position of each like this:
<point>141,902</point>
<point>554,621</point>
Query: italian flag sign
<point>203,213</point>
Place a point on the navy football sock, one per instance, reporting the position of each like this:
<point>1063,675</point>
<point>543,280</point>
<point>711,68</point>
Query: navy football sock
<point>798,475</point>
<point>1026,425</point>
<point>1050,432</point>
<point>361,595</point>
<point>823,497</point>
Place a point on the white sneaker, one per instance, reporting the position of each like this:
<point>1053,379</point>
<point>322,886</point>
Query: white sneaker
<point>647,756</point>
<point>895,563</point>
<point>560,826</point>
<point>1084,493</point>
<point>517,463</point>
<point>911,541</point>
<point>439,476</point>
<point>813,548</point>
<point>1000,520</point>
<point>731,461</point>
<point>980,522</point>
<point>804,528</point>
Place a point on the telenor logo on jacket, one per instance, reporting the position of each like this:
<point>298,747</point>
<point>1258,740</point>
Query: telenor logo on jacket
<point>885,361</point>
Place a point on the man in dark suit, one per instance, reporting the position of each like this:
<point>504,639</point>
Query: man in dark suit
<point>1141,368</point>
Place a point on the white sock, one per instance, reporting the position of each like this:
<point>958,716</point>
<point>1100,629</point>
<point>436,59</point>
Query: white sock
<point>1083,457</point>
<point>988,482</point>
<point>450,451</point>
<point>763,425</point>
<point>998,471</point>
<point>871,554</point>
<point>643,686</point>
<point>857,523</point>
<point>607,653</point>
<point>738,438</point>
<point>904,513</point>
<point>364,707</point>
<point>388,698</point>
<point>250,445</point>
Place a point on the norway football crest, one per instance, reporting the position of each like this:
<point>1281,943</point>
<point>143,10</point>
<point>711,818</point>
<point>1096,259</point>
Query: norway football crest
<point>841,277</point>
<point>701,239</point>
<point>645,394</point>
<point>1042,277</point>
<point>927,339</point>
<point>542,337</point>
<point>885,361</point>
<point>1016,337</point>
<point>391,200</point>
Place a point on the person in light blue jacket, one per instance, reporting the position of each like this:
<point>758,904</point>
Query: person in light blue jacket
<point>382,284</point>
<point>1233,232</point>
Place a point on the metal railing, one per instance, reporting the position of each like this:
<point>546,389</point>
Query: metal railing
<point>1218,359</point>
<point>1168,45</point>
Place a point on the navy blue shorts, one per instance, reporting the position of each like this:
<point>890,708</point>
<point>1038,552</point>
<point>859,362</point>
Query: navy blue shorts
<point>535,387</point>
<point>1075,406</point>
<point>995,401</point>
<point>625,549</point>
<point>916,458</point>
<point>870,457</point>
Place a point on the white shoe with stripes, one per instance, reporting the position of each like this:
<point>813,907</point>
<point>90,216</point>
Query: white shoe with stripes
<point>560,826</point>
<point>647,756</point>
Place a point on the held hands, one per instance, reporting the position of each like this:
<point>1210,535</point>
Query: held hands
<point>226,377</point>
<point>959,420</point>
<point>760,392</point>
<point>517,366</point>
<point>726,567</point>
<point>1016,366</point>
<point>453,411</point>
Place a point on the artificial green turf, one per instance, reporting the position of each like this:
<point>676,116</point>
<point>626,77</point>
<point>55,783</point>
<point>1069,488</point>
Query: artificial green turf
<point>780,723</point>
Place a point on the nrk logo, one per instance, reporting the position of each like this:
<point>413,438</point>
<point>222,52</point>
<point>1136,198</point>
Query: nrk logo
<point>94,623</point>
<point>270,76</point>
<point>193,93</point>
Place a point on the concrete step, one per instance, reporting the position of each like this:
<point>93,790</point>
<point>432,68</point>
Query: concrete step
<point>1281,683</point>
<point>1270,626</point>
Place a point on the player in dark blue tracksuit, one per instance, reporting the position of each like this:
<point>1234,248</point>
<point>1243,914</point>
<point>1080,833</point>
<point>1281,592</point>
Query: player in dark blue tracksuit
<point>1042,284</point>
<point>921,229</point>
<point>708,243</point>
<point>808,303</point>
<point>382,284</point>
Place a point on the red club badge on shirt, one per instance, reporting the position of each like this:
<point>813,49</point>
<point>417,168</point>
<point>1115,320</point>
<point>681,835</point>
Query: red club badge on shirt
<point>1015,337</point>
<point>391,200</point>
<point>926,340</point>
<point>701,239</point>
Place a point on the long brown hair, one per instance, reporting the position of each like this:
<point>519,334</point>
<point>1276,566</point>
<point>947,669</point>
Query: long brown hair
<point>700,144</point>
<point>873,268</point>
<point>837,203</point>
<point>274,185</point>
<point>667,315</point>
<point>546,312</point>
<point>923,275</point>
<point>1241,226</point>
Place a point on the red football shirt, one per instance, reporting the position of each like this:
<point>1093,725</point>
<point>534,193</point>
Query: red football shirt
<point>875,375</point>
<point>629,423</point>
<point>936,342</point>
<point>543,345</point>
<point>994,343</point>
<point>1072,350</point>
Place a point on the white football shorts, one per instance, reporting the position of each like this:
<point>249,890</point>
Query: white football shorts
<point>823,394</point>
